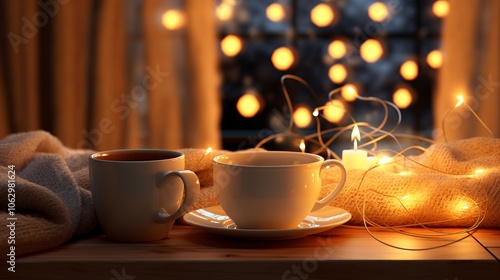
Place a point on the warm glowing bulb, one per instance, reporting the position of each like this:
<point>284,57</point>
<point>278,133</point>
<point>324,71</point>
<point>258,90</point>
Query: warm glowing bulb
<point>302,145</point>
<point>173,19</point>
<point>337,49</point>
<point>378,11</point>
<point>283,58</point>
<point>315,112</point>
<point>302,117</point>
<point>322,15</point>
<point>224,11</point>
<point>337,73</point>
<point>275,12</point>
<point>402,98</point>
<point>479,171</point>
<point>385,160</point>
<point>409,70</point>
<point>460,101</point>
<point>435,59</point>
<point>334,111</point>
<point>231,45</point>
<point>441,8</point>
<point>349,92</point>
<point>248,105</point>
<point>371,50</point>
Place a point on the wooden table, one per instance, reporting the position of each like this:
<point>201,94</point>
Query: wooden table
<point>341,253</point>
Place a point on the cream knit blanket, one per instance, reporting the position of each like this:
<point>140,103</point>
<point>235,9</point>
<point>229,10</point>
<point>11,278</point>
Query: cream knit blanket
<point>53,203</point>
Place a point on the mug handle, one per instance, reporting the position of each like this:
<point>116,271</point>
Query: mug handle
<point>327,199</point>
<point>191,191</point>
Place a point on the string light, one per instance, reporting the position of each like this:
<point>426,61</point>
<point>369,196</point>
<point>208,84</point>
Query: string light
<point>207,151</point>
<point>349,92</point>
<point>402,98</point>
<point>435,59</point>
<point>441,8</point>
<point>248,105</point>
<point>337,49</point>
<point>378,11</point>
<point>275,12</point>
<point>337,73</point>
<point>231,45</point>
<point>302,145</point>
<point>322,15</point>
<point>302,117</point>
<point>371,50</point>
<point>334,111</point>
<point>283,58</point>
<point>409,70</point>
<point>460,101</point>
<point>173,19</point>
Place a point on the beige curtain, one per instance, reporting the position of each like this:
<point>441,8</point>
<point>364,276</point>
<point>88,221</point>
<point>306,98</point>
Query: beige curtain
<point>471,67</point>
<point>65,70</point>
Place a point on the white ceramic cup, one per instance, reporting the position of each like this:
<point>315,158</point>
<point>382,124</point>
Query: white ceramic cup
<point>271,190</point>
<point>138,194</point>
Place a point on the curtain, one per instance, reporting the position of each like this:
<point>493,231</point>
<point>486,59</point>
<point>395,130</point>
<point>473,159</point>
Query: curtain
<point>66,68</point>
<point>471,68</point>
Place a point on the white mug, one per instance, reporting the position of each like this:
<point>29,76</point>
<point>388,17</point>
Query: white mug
<point>271,190</point>
<point>138,194</point>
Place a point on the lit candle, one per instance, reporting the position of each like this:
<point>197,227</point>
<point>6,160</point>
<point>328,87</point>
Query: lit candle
<point>354,158</point>
<point>302,145</point>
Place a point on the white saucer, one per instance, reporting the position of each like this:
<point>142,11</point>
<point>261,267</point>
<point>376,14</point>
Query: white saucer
<point>215,220</point>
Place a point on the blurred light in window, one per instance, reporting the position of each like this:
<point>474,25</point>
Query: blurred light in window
<point>378,11</point>
<point>334,111</point>
<point>441,8</point>
<point>224,11</point>
<point>302,117</point>
<point>371,50</point>
<point>173,19</point>
<point>337,73</point>
<point>275,12</point>
<point>337,49</point>
<point>409,70</point>
<point>248,104</point>
<point>402,98</point>
<point>435,59</point>
<point>231,45</point>
<point>322,15</point>
<point>282,58</point>
<point>349,92</point>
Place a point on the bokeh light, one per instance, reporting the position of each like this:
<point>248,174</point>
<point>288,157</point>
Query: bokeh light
<point>302,117</point>
<point>441,8</point>
<point>224,11</point>
<point>173,19</point>
<point>371,50</point>
<point>409,70</point>
<point>334,111</point>
<point>435,59</point>
<point>349,92</point>
<point>248,105</point>
<point>337,49</point>
<point>378,11</point>
<point>231,45</point>
<point>275,12</point>
<point>337,73</point>
<point>283,58</point>
<point>402,98</point>
<point>322,15</point>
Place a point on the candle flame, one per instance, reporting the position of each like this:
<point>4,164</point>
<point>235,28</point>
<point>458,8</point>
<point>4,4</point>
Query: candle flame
<point>302,145</point>
<point>460,101</point>
<point>355,136</point>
